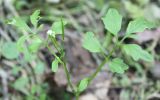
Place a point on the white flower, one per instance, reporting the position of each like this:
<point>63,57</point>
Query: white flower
<point>51,33</point>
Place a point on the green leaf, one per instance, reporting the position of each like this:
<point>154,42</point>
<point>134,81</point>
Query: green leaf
<point>20,42</point>
<point>139,25</point>
<point>137,53</point>
<point>43,96</point>
<point>55,65</point>
<point>40,68</point>
<point>9,50</point>
<point>15,70</point>
<point>19,23</point>
<point>36,43</point>
<point>112,21</point>
<point>91,43</point>
<point>36,88</point>
<point>57,27</point>
<point>83,84</point>
<point>27,55</point>
<point>21,83</point>
<point>35,18</point>
<point>117,65</point>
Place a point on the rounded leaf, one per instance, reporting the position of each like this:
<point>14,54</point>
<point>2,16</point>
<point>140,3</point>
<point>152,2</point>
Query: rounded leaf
<point>9,50</point>
<point>91,43</point>
<point>112,21</point>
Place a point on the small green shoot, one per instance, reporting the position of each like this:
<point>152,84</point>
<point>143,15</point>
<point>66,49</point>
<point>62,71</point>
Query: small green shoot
<point>34,18</point>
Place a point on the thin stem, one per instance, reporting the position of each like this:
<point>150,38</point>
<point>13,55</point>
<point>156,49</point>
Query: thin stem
<point>62,29</point>
<point>68,77</point>
<point>62,33</point>
<point>100,67</point>
<point>104,62</point>
<point>53,53</point>
<point>123,39</point>
<point>65,68</point>
<point>77,96</point>
<point>63,62</point>
<point>55,44</point>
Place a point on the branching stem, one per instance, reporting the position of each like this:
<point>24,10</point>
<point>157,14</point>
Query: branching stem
<point>99,68</point>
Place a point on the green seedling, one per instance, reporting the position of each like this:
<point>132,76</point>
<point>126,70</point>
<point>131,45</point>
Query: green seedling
<point>112,22</point>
